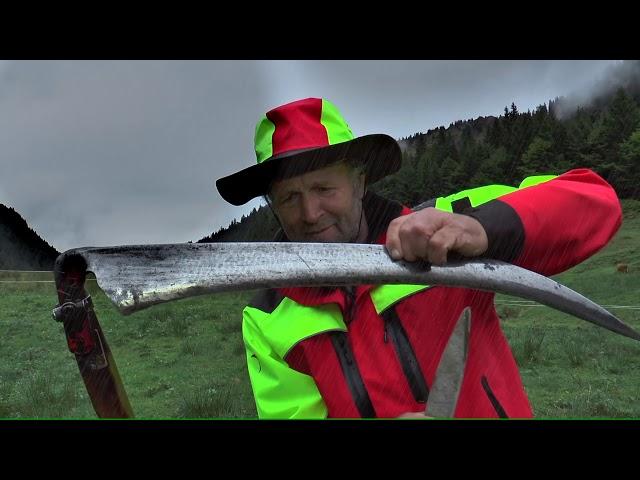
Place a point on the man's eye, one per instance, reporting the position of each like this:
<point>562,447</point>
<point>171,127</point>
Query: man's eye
<point>287,200</point>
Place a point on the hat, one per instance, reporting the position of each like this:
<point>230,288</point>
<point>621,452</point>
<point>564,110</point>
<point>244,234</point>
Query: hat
<point>302,136</point>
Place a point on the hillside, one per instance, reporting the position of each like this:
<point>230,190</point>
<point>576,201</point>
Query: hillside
<point>20,247</point>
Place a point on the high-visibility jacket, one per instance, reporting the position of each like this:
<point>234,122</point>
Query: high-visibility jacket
<point>372,350</point>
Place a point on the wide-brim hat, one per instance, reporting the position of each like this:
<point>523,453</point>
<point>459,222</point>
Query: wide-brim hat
<point>302,136</point>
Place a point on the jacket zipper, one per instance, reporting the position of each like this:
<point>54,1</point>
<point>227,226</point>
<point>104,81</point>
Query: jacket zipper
<point>352,374</point>
<point>410,365</point>
<point>492,398</point>
<point>350,370</point>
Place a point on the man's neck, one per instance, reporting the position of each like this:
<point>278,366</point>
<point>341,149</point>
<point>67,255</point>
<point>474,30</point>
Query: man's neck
<point>378,212</point>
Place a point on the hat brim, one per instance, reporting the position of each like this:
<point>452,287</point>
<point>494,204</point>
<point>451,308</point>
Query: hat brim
<point>379,153</point>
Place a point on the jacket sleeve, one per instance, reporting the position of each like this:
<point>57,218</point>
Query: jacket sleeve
<point>554,225</point>
<point>279,391</point>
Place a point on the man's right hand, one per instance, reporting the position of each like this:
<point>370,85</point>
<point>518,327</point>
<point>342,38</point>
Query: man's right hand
<point>430,234</point>
<point>414,415</point>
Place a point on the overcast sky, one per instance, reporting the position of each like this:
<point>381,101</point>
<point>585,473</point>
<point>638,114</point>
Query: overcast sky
<point>97,153</point>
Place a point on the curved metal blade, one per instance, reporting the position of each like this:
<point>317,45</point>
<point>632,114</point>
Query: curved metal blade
<point>138,276</point>
<point>443,396</point>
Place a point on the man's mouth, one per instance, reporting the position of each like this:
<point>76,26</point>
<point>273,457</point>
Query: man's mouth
<point>318,232</point>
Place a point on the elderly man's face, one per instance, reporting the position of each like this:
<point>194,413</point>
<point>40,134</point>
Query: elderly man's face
<point>321,206</point>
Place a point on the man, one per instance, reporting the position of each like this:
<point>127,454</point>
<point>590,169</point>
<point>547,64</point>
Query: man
<point>372,350</point>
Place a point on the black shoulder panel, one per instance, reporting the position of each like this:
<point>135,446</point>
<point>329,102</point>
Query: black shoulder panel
<point>266,300</point>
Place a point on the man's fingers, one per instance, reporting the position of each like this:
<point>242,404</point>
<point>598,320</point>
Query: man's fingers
<point>414,239</point>
<point>440,244</point>
<point>408,236</point>
<point>430,235</point>
<point>393,244</point>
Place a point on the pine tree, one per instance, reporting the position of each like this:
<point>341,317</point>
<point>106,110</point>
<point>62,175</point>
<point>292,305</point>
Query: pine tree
<point>618,122</point>
<point>537,159</point>
<point>628,170</point>
<point>621,119</point>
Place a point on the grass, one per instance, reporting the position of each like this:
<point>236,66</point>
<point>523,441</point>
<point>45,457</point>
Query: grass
<point>210,402</point>
<point>185,359</point>
<point>527,346</point>
<point>168,356</point>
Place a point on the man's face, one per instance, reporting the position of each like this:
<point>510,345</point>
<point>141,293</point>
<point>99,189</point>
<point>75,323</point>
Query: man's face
<point>320,206</point>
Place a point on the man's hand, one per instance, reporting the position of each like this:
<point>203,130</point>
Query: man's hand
<point>413,415</point>
<point>430,234</point>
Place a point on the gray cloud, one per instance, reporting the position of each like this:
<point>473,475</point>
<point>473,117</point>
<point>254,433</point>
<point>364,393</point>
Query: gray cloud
<point>122,152</point>
<point>617,75</point>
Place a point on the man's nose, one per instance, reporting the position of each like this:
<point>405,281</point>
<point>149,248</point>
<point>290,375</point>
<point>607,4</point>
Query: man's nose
<point>311,208</point>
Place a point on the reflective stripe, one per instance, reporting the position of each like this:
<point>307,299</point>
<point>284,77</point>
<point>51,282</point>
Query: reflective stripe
<point>477,196</point>
<point>290,323</point>
<point>384,296</point>
<point>536,180</point>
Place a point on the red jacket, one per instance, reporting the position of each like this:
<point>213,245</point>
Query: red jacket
<point>384,364</point>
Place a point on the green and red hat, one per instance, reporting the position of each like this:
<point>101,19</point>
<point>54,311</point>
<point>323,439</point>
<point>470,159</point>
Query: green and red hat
<point>302,136</point>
